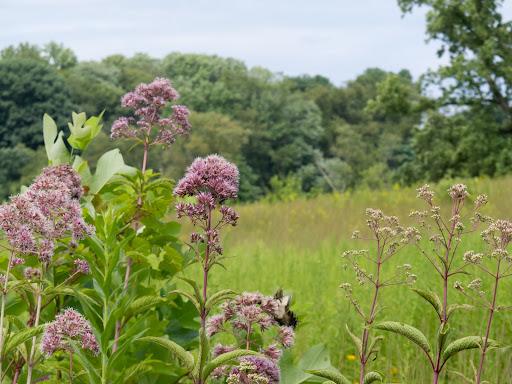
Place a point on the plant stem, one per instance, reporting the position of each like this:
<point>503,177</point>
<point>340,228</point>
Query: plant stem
<point>248,337</point>
<point>129,260</point>
<point>2,312</point>
<point>436,377</point>
<point>30,361</point>
<point>446,275</point>
<point>492,309</point>
<point>16,375</point>
<point>104,357</point>
<point>366,332</point>
<point>204,312</point>
<point>71,367</point>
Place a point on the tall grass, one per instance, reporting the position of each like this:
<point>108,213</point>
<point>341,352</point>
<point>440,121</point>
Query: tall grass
<point>297,246</point>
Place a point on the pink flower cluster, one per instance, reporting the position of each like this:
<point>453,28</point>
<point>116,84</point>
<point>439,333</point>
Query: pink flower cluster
<point>247,312</point>
<point>82,266</point>
<point>255,369</point>
<point>68,325</point>
<point>47,211</point>
<point>147,102</point>
<point>213,175</point>
<point>211,180</point>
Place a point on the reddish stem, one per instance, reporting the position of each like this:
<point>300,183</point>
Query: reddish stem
<point>492,309</point>
<point>366,332</point>
<point>446,275</point>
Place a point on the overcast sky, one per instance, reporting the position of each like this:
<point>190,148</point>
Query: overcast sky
<point>335,38</point>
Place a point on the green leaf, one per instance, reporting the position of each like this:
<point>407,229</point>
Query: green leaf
<point>141,304</point>
<point>195,287</point>
<point>372,377</point>
<point>135,371</point>
<point>82,167</point>
<point>373,343</point>
<point>83,131</point>
<point>49,134</point>
<point>21,337</point>
<point>218,297</point>
<point>109,164</point>
<point>333,376</point>
<point>224,359</point>
<point>202,354</point>
<point>189,296</point>
<point>408,331</point>
<point>432,298</point>
<point>56,150</point>
<point>317,357</point>
<point>185,357</point>
<point>456,307</point>
<point>464,343</point>
<point>356,340</point>
<point>442,335</point>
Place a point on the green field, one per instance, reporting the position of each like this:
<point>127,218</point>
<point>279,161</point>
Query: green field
<point>297,245</point>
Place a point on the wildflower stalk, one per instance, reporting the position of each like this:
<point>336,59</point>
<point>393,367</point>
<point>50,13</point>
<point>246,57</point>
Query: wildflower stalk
<point>30,362</point>
<point>492,309</point>
<point>147,102</point>
<point>498,236</point>
<point>210,181</point>
<point>2,311</point>
<point>444,310</point>
<point>206,270</point>
<point>369,321</point>
<point>389,237</point>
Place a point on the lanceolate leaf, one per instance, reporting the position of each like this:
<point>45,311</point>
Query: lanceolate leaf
<point>432,298</point>
<point>224,359</point>
<point>456,307</point>
<point>408,331</point>
<point>462,344</point>
<point>189,296</point>
<point>357,340</point>
<point>372,377</point>
<point>185,358</point>
<point>135,371</point>
<point>142,304</point>
<point>22,336</point>
<point>335,377</point>
<point>194,285</point>
<point>218,297</point>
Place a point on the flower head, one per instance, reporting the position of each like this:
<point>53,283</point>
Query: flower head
<point>49,210</point>
<point>286,336</point>
<point>458,191</point>
<point>32,273</point>
<point>82,266</point>
<point>68,325</point>
<point>147,102</point>
<point>426,193</point>
<point>261,368</point>
<point>213,175</point>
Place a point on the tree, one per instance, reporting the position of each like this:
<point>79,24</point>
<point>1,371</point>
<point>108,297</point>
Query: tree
<point>28,89</point>
<point>59,56</point>
<point>478,44</point>
<point>209,83</point>
<point>95,87</point>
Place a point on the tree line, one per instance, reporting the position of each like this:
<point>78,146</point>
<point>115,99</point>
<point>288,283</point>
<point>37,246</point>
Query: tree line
<point>289,134</point>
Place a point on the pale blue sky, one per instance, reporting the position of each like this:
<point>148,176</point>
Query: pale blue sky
<point>335,38</point>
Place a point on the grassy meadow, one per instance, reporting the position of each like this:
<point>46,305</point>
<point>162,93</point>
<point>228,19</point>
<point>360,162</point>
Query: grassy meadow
<point>297,246</point>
